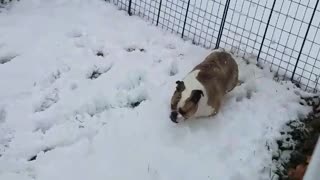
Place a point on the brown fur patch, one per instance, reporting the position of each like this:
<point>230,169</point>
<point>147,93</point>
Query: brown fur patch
<point>177,95</point>
<point>219,75</point>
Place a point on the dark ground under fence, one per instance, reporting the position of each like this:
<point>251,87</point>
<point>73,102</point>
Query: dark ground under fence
<point>283,33</point>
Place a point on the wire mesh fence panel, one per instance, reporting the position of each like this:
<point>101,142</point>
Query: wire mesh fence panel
<point>203,21</point>
<point>282,33</point>
<point>308,68</point>
<point>286,31</point>
<point>121,4</point>
<point>172,15</point>
<point>245,24</point>
<point>147,9</point>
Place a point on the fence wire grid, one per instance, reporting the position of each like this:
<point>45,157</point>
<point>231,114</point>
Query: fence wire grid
<point>284,34</point>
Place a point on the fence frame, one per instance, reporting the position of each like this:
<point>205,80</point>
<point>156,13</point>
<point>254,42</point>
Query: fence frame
<point>305,38</point>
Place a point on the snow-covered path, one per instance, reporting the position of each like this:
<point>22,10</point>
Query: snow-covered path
<point>88,116</point>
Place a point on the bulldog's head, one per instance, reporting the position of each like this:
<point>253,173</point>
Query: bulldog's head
<point>184,101</point>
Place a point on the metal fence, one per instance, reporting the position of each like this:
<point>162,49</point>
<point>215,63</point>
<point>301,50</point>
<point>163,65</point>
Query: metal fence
<point>283,33</point>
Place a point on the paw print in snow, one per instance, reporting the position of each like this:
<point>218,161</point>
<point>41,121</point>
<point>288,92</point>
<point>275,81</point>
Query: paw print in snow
<point>247,93</point>
<point>75,33</point>
<point>3,114</point>
<point>132,81</point>
<point>173,69</point>
<point>52,77</point>
<point>133,90</point>
<point>95,72</point>
<point>131,49</point>
<point>7,57</point>
<point>47,101</point>
<point>100,53</point>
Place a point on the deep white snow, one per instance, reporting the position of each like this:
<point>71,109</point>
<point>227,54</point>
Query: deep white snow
<point>78,113</point>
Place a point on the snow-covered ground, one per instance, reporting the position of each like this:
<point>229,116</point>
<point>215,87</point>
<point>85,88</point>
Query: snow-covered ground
<point>77,115</point>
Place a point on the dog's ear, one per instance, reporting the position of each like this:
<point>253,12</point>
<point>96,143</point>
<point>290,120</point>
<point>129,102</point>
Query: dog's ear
<point>180,86</point>
<point>196,95</point>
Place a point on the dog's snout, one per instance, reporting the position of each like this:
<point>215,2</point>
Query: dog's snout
<point>174,116</point>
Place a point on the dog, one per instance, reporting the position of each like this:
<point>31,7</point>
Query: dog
<point>201,91</point>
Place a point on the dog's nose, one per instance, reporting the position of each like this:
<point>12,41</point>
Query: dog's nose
<point>174,116</point>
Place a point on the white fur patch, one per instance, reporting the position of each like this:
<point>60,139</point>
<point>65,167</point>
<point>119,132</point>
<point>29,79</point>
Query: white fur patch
<point>191,83</point>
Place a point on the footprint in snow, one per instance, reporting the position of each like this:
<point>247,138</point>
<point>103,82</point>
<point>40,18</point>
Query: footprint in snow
<point>248,95</point>
<point>96,71</point>
<point>133,90</point>
<point>131,98</point>
<point>124,99</point>
<point>52,77</point>
<point>100,53</point>
<point>7,57</point>
<point>170,46</point>
<point>173,69</point>
<point>6,136</point>
<point>132,81</point>
<point>34,157</point>
<point>247,91</point>
<point>130,94</point>
<point>132,49</point>
<point>75,33</point>
<point>73,86</point>
<point>3,114</point>
<point>47,101</point>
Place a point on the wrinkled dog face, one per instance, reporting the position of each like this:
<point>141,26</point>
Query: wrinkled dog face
<point>184,102</point>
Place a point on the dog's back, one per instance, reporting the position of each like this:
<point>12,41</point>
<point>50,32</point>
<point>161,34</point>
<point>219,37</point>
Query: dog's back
<point>218,74</point>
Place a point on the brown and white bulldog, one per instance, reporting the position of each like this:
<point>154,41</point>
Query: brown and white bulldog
<point>200,93</point>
